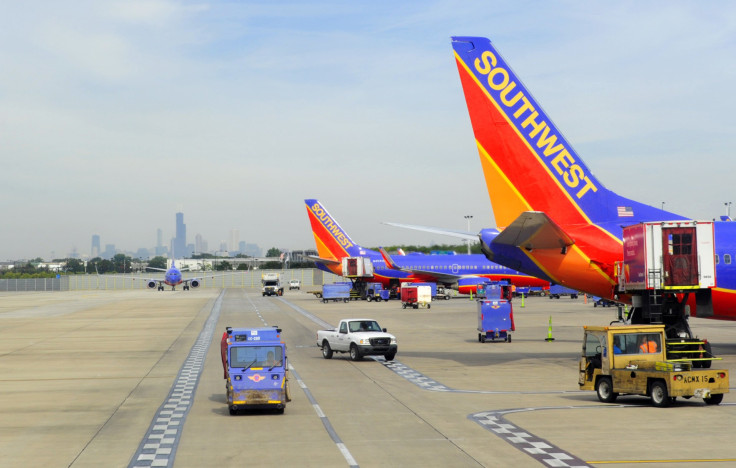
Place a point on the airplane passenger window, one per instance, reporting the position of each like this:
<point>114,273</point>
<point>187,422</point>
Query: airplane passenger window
<point>718,258</point>
<point>727,259</point>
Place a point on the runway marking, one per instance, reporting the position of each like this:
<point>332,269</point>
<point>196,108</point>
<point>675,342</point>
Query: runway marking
<point>317,409</point>
<point>495,422</point>
<point>536,447</point>
<point>159,445</point>
<point>325,421</point>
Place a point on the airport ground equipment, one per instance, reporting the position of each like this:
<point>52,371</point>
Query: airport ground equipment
<point>668,267</point>
<point>359,337</point>
<point>557,290</point>
<point>415,296</point>
<point>640,360</point>
<point>442,293</point>
<point>336,292</point>
<point>256,369</point>
<point>357,267</point>
<point>295,284</point>
<point>271,284</point>
<point>495,313</point>
<point>599,301</point>
<point>375,292</point>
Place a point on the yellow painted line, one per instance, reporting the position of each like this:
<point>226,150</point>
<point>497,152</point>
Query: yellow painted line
<point>692,460</point>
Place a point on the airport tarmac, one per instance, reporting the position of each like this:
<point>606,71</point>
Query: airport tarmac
<point>87,379</point>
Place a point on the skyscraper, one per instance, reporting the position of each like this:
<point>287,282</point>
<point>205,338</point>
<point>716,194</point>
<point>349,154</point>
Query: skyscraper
<point>234,239</point>
<point>180,241</point>
<point>95,250</point>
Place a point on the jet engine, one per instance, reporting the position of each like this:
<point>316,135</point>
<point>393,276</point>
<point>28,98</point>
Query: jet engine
<point>151,284</point>
<point>194,283</point>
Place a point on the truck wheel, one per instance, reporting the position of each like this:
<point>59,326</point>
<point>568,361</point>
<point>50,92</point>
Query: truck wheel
<point>508,338</point>
<point>326,350</point>
<point>355,353</point>
<point>604,389</point>
<point>232,411</point>
<point>403,306</point>
<point>658,392</point>
<point>714,399</point>
<point>390,356</point>
<point>479,338</point>
<point>319,295</point>
<point>369,298</point>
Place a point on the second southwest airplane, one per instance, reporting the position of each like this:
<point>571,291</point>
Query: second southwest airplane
<point>557,220</point>
<point>461,272</point>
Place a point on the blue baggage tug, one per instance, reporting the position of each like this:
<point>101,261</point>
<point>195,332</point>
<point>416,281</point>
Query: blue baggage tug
<point>495,313</point>
<point>254,360</point>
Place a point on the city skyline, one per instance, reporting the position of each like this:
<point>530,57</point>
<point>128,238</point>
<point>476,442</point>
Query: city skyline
<point>117,114</point>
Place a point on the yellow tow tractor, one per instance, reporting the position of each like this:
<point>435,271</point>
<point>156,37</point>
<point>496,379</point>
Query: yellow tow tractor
<point>633,359</point>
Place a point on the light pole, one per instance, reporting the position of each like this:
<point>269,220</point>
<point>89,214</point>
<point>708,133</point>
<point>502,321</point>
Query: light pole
<point>468,217</point>
<point>728,209</point>
<point>662,206</point>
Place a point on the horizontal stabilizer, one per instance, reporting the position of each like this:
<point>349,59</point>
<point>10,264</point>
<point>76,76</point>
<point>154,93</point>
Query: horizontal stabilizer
<point>434,230</point>
<point>326,261</point>
<point>534,230</point>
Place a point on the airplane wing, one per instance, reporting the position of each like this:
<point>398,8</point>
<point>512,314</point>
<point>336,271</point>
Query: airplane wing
<point>473,236</point>
<point>326,261</point>
<point>534,230</point>
<point>436,276</point>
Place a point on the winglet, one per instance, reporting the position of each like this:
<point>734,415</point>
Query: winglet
<point>389,262</point>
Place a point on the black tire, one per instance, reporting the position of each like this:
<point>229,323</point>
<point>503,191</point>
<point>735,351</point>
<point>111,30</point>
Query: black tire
<point>509,338</point>
<point>604,390</point>
<point>319,295</point>
<point>355,353</point>
<point>429,306</point>
<point>326,350</point>
<point>369,298</point>
<point>658,393</point>
<point>403,306</point>
<point>232,411</point>
<point>482,338</point>
<point>714,399</point>
<point>279,410</point>
<point>447,298</point>
<point>479,338</point>
<point>389,356</point>
<point>416,306</point>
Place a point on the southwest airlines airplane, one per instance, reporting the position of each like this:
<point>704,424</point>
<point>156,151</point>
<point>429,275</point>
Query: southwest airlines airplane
<point>556,219</point>
<point>173,278</point>
<point>460,272</point>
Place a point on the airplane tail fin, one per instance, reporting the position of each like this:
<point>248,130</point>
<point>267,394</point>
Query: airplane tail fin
<point>332,241</point>
<point>527,163</point>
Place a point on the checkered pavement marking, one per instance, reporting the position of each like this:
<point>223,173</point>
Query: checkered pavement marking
<point>158,447</point>
<point>535,447</point>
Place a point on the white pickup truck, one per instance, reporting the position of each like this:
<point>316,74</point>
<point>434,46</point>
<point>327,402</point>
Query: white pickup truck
<point>359,337</point>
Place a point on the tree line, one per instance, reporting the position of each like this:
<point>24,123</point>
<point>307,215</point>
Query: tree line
<point>122,263</point>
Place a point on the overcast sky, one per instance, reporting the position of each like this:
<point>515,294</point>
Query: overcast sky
<point>114,115</point>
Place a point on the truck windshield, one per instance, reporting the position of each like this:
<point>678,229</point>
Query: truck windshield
<point>270,283</point>
<point>364,325</point>
<point>256,356</point>
<point>636,343</point>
